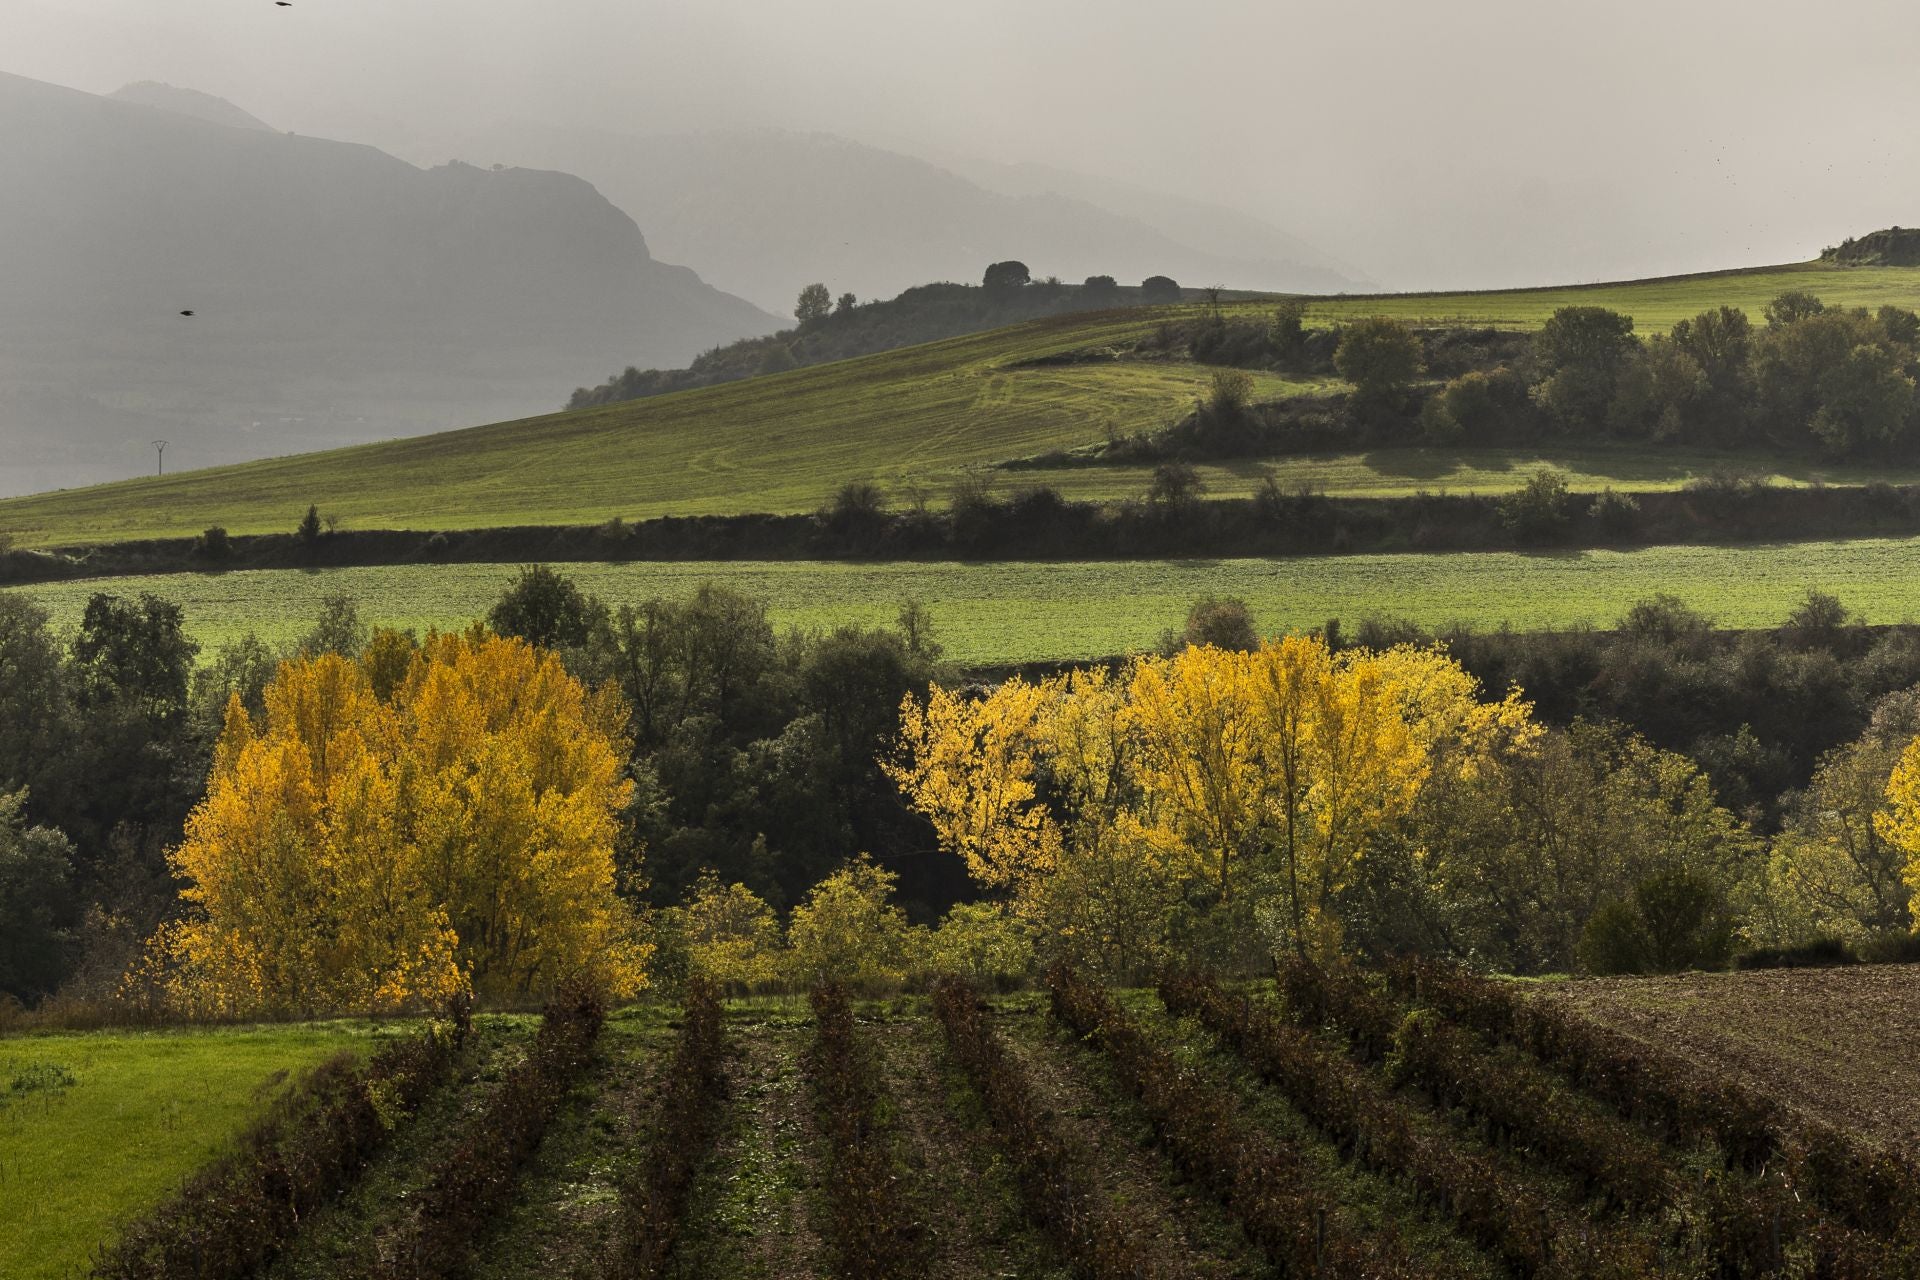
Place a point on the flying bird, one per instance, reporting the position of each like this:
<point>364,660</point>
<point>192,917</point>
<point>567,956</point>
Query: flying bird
<point>284,4</point>
<point>186,313</point>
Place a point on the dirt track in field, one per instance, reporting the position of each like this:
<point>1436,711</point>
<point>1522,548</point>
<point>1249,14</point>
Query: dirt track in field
<point>1841,1044</point>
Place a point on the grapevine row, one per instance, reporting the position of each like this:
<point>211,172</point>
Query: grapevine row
<point>687,1118</point>
<point>1357,1112</point>
<point>1058,1181</point>
<point>237,1213</point>
<point>1866,1188</point>
<point>479,1176</point>
<point>874,1228</point>
<point>1204,1129</point>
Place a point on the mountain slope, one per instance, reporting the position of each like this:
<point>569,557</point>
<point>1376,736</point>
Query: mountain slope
<point>188,102</point>
<point>766,212</point>
<point>918,417</point>
<point>339,294</point>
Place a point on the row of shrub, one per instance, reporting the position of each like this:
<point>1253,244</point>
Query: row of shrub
<point>478,1177</point>
<point>686,1121</point>
<point>1059,1179</point>
<point>234,1215</point>
<point>1354,1109</point>
<point>876,1232</point>
<point>1262,1182</point>
<point>1866,1188</point>
<point>1519,1107</point>
<point>1741,1225</point>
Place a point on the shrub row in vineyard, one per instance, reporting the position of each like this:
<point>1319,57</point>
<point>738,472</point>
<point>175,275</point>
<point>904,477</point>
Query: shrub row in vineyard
<point>1865,1188</point>
<point>477,1180</point>
<point>1376,1128</point>
<point>1059,1184</point>
<point>235,1214</point>
<point>875,1231</point>
<point>686,1121</point>
<point>1208,1135</point>
<point>1519,1106</point>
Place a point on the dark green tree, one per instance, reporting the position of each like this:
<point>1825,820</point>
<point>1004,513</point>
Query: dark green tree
<point>813,305</point>
<point>1011,274</point>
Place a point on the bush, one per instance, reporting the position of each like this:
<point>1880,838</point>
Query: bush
<point>848,930</point>
<point>1159,289</point>
<point>1821,953</point>
<point>982,942</point>
<point>1614,941</point>
<point>1229,392</point>
<point>1381,357</point>
<point>213,544</point>
<point>308,530</point>
<point>1541,510</point>
<point>1616,513</point>
<point>1223,622</point>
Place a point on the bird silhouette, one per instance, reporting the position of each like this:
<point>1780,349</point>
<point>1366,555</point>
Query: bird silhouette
<point>186,313</point>
<point>284,4</point>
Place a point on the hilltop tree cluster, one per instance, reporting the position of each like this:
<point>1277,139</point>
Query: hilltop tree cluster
<point>1834,380</point>
<point>829,329</point>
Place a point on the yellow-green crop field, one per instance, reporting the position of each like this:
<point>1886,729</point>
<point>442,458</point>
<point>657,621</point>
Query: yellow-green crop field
<point>918,417</point>
<point>992,613</point>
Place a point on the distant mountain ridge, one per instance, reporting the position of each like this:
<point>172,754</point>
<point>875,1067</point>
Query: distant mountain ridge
<point>188,102</point>
<point>338,294</point>
<point>765,212</point>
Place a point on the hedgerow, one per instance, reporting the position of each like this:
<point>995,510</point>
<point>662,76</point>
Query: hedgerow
<point>478,1176</point>
<point>235,1214</point>
<point>1520,1228</point>
<point>1058,1182</point>
<point>875,1230</point>
<point>1263,1183</point>
<point>686,1121</point>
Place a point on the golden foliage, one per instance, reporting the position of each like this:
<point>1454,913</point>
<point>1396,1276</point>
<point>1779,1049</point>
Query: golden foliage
<point>391,834</point>
<point>1101,802</point>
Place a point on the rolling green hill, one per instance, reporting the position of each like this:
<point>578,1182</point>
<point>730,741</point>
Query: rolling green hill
<point>916,417</point>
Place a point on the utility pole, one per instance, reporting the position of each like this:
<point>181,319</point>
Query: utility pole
<point>160,457</point>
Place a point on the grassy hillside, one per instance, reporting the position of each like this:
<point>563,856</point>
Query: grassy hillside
<point>917,416</point>
<point>1020,612</point>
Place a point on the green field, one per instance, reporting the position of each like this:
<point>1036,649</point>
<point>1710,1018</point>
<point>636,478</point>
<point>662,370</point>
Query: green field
<point>921,416</point>
<point>138,1112</point>
<point>1024,611</point>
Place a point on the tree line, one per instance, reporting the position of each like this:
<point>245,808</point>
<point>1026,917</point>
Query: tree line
<point>1836,381</point>
<point>673,788</point>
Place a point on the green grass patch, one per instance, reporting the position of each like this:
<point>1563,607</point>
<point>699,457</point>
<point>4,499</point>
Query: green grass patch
<point>131,1114</point>
<point>920,416</point>
<point>1024,611</point>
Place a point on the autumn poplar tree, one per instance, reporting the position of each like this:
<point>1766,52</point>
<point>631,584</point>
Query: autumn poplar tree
<point>392,833</point>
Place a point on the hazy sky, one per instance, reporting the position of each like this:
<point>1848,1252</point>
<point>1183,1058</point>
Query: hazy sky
<point>1427,144</point>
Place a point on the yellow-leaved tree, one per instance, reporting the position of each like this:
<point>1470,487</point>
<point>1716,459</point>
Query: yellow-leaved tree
<point>390,834</point>
<point>1112,806</point>
<point>1900,822</point>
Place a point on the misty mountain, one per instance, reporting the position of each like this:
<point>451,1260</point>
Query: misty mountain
<point>765,212</point>
<point>189,102</point>
<point>338,294</point>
